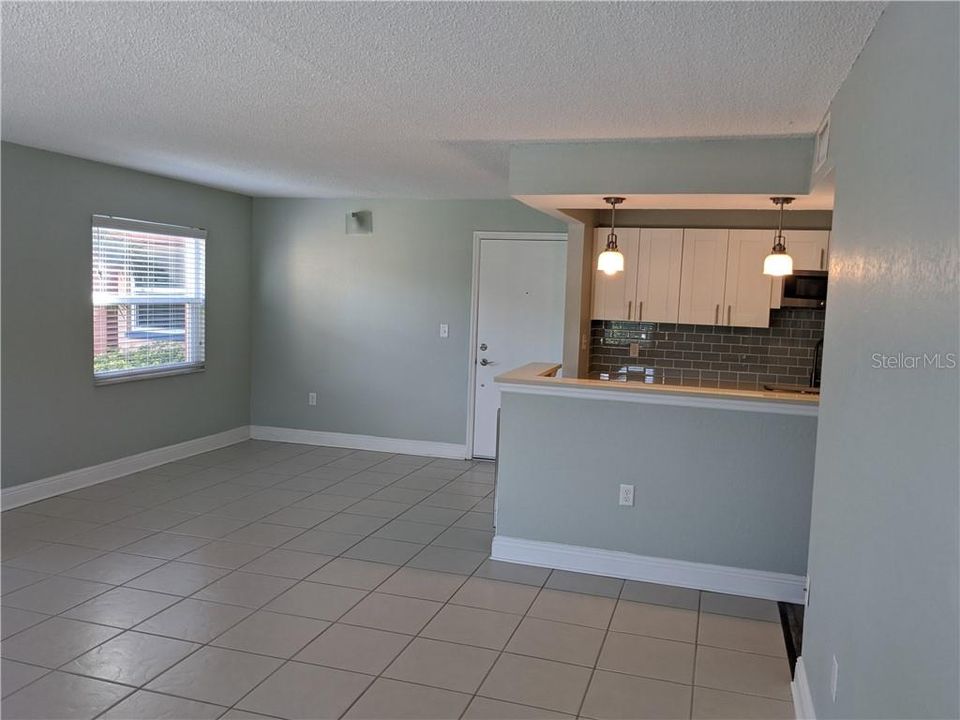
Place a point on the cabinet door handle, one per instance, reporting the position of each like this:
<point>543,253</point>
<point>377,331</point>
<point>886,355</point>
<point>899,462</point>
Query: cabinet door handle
<point>822,257</point>
<point>729,310</point>
<point>716,315</point>
<point>640,310</point>
<point>629,309</point>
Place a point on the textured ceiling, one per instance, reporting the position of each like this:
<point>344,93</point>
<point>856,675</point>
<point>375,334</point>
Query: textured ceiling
<point>406,99</point>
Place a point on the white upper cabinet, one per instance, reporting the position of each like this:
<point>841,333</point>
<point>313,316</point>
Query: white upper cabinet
<point>746,301</point>
<point>703,276</point>
<point>808,248</point>
<point>648,289</point>
<point>658,275</point>
<point>698,276</point>
<point>615,296</point>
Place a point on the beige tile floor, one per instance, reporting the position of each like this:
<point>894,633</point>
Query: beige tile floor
<point>291,581</point>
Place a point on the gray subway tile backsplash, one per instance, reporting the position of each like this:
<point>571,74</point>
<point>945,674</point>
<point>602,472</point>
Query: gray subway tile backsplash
<point>708,355</point>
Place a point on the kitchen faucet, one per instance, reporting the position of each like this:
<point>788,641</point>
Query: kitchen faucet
<point>817,353</point>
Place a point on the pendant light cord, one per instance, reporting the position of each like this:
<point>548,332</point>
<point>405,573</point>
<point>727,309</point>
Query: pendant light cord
<point>612,237</point>
<point>779,241</point>
<point>778,244</point>
<point>613,225</point>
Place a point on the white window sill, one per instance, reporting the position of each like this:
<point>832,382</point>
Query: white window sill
<point>148,374</point>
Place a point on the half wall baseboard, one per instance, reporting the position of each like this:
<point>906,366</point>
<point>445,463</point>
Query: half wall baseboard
<point>800,689</point>
<point>44,488</point>
<point>359,442</point>
<point>664,571</point>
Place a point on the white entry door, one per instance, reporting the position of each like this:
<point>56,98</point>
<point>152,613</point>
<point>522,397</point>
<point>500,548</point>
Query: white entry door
<point>519,320</point>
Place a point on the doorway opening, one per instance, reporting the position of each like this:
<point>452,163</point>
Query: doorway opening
<point>517,305</point>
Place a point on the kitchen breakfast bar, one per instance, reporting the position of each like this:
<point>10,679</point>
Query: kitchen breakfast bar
<point>721,481</point>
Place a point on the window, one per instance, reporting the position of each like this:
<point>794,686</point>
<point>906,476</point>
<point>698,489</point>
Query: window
<point>170,319</point>
<point>148,299</point>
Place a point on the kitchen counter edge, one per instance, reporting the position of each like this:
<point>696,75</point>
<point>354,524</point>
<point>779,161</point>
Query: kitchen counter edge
<point>540,379</point>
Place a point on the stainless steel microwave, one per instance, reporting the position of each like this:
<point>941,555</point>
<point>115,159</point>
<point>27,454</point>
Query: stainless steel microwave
<point>805,288</point>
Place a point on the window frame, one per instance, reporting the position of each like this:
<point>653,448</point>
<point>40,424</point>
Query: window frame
<point>194,342</point>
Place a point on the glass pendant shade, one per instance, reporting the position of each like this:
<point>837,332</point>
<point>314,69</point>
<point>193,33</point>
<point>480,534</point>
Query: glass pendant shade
<point>610,262</point>
<point>778,264</point>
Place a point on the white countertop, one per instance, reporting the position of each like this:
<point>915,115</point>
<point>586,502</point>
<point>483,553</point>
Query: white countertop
<point>540,379</point>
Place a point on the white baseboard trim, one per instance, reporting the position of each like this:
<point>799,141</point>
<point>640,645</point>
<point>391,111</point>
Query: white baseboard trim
<point>359,442</point>
<point>44,488</point>
<point>613,563</point>
<point>800,689</point>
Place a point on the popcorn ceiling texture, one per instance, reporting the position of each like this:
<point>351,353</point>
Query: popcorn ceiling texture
<point>404,99</point>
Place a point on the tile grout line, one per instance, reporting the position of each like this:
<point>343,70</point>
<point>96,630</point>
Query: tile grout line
<point>408,644</point>
<point>200,646</point>
<point>596,662</point>
<point>375,678</point>
<point>197,650</point>
<point>462,513</point>
<point>339,621</point>
<point>439,609</point>
<point>412,638</point>
<point>696,648</point>
<point>476,693</point>
<point>210,541</point>
<point>124,630</point>
<point>286,661</point>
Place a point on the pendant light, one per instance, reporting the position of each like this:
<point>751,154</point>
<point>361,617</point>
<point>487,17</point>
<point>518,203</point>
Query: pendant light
<point>610,261</point>
<point>779,263</point>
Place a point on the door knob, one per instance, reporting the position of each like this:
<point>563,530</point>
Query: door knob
<point>485,362</point>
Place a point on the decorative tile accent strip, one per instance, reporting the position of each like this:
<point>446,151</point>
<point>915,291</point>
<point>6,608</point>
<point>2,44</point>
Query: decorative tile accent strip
<point>709,355</point>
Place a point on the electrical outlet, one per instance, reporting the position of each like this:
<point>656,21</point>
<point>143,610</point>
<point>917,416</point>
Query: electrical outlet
<point>626,495</point>
<point>444,330</point>
<point>311,398</point>
<point>584,342</point>
<point>834,675</point>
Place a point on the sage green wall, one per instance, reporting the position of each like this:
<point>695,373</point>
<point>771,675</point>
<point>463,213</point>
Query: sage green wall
<point>723,487</point>
<point>776,166</point>
<point>53,418</point>
<point>885,548</point>
<point>356,318</point>
<point>579,292</point>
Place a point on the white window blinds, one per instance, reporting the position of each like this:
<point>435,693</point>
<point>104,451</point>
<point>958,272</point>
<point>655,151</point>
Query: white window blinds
<point>148,298</point>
